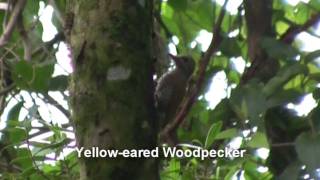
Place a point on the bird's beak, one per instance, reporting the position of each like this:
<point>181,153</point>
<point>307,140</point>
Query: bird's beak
<point>174,58</point>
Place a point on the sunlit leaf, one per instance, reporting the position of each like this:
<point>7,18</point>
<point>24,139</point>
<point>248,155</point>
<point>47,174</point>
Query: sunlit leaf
<point>277,49</point>
<point>32,77</point>
<point>226,134</point>
<point>291,172</point>
<point>212,133</point>
<point>259,140</point>
<point>283,77</point>
<point>179,5</point>
<point>308,148</point>
<point>249,103</point>
<point>14,112</point>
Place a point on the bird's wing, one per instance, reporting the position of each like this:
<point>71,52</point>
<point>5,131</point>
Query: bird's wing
<point>163,93</point>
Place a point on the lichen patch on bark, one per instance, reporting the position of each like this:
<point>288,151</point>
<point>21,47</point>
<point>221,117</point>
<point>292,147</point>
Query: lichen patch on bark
<point>118,73</point>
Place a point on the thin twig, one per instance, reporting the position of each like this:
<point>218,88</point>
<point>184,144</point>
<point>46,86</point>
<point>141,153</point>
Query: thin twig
<point>25,39</point>
<point>5,166</point>
<point>57,11</point>
<point>6,13</point>
<point>53,102</point>
<point>293,31</point>
<point>12,22</point>
<point>47,45</point>
<point>284,144</point>
<point>35,165</point>
<point>43,130</point>
<point>164,26</point>
<point>204,61</point>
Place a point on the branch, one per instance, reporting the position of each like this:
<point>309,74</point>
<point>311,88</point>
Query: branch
<point>44,129</point>
<point>53,102</point>
<point>47,45</point>
<point>293,31</point>
<point>25,39</point>
<point>12,22</point>
<point>7,89</point>
<point>157,16</point>
<point>204,61</point>
<point>284,144</point>
<point>5,167</point>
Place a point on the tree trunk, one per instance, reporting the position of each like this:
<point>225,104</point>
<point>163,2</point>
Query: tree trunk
<point>259,22</point>
<point>112,86</point>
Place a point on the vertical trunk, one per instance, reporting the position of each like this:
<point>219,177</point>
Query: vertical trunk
<point>112,86</point>
<point>258,15</point>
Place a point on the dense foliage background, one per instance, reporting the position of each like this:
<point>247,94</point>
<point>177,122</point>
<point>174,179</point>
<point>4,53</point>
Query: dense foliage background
<point>254,113</point>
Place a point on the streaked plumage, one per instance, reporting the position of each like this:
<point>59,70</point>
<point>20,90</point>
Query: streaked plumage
<point>171,88</point>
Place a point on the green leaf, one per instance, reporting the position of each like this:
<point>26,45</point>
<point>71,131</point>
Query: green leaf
<point>26,161</point>
<point>179,5</point>
<point>250,170</point>
<point>47,168</point>
<point>316,94</point>
<point>259,140</point>
<point>2,19</point>
<point>28,171</point>
<point>59,83</point>
<point>24,158</point>
<point>249,103</point>
<point>172,171</point>
<point>230,47</point>
<point>223,111</point>
<point>22,73</point>
<point>53,145</point>
<point>227,134</point>
<point>37,176</point>
<point>30,11</point>
<point>61,6</point>
<point>308,148</point>
<point>201,12</point>
<point>314,116</point>
<point>312,56</point>
<point>212,133</point>
<point>42,78</point>
<point>313,68</point>
<point>283,77</point>
<point>14,112</point>
<point>26,123</point>
<point>315,4</point>
<point>166,10</point>
<point>17,135</point>
<point>31,76</point>
<point>291,171</point>
<point>278,49</point>
<point>315,76</point>
<point>232,172</point>
<point>234,77</point>
<point>284,97</point>
<point>281,26</point>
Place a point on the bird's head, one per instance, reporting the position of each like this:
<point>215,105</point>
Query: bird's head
<point>184,63</point>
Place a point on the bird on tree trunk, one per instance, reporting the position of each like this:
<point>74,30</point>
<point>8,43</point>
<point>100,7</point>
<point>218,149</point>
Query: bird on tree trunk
<point>171,88</point>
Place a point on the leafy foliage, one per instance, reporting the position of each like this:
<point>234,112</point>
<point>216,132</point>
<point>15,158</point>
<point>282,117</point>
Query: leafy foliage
<point>37,132</point>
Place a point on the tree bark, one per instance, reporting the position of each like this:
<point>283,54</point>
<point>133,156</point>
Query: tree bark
<point>258,16</point>
<point>112,86</point>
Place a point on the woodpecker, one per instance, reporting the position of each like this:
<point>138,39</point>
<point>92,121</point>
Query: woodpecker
<point>171,88</point>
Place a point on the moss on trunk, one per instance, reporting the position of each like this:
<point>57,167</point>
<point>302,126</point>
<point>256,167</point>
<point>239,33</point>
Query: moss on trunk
<point>112,86</point>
